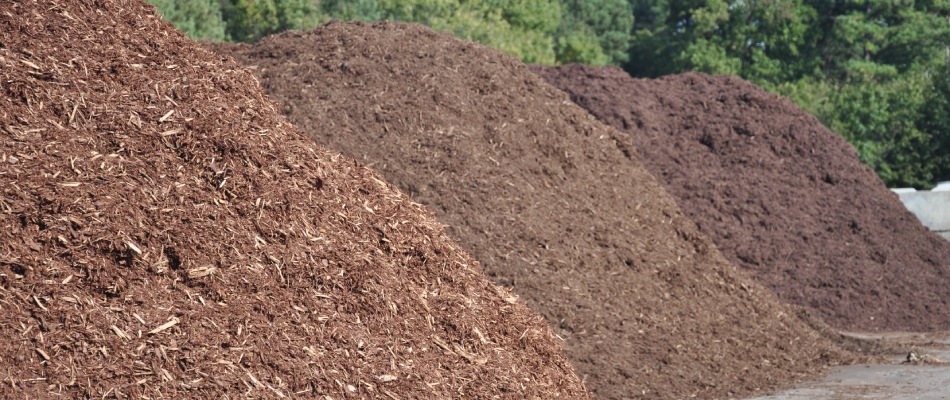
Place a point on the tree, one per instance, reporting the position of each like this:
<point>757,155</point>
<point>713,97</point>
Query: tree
<point>349,10</point>
<point>580,45</point>
<point>420,11</point>
<point>199,19</point>
<point>879,113</point>
<point>765,41</point>
<point>521,28</point>
<point>595,32</point>
<point>652,48</point>
<point>250,20</point>
<point>935,119</point>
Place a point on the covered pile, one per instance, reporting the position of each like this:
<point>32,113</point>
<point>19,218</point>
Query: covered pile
<point>551,202</point>
<point>781,196</point>
<point>166,233</point>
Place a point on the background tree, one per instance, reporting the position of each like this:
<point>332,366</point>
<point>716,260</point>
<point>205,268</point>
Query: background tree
<point>351,10</point>
<point>596,32</point>
<point>577,43</point>
<point>522,28</point>
<point>935,119</point>
<point>250,20</point>
<point>199,19</point>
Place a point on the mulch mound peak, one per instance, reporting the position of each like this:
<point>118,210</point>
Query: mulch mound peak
<point>781,196</point>
<point>167,234</point>
<point>549,200</point>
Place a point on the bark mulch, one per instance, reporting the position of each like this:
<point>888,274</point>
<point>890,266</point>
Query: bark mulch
<point>552,202</point>
<point>167,234</point>
<point>782,197</point>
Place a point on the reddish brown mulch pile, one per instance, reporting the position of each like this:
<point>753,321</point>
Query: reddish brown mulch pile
<point>781,195</point>
<point>550,202</point>
<point>167,234</point>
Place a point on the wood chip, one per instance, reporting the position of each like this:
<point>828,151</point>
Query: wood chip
<point>42,353</point>
<point>201,272</point>
<point>174,321</point>
<point>166,116</point>
<point>39,303</point>
<point>133,247</point>
<point>31,65</point>
<point>253,379</point>
<point>120,333</point>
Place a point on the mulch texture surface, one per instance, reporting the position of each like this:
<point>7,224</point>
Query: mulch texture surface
<point>781,196</point>
<point>167,234</point>
<point>552,202</point>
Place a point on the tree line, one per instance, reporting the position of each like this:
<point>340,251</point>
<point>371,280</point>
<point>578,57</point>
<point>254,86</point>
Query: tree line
<point>874,71</point>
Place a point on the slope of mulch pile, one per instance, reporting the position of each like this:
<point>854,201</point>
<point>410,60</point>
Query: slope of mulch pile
<point>549,200</point>
<point>781,196</point>
<point>167,234</point>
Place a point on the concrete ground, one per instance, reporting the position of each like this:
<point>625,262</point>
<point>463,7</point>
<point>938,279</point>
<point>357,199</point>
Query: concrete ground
<point>896,381</point>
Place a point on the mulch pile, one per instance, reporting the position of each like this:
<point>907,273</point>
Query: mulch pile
<point>167,234</point>
<point>781,196</point>
<point>550,201</point>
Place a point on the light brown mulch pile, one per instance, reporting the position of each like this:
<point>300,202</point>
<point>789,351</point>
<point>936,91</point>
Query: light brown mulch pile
<point>166,233</point>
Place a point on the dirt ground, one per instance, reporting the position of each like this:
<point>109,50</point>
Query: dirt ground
<point>168,234</point>
<point>553,203</point>
<point>781,196</point>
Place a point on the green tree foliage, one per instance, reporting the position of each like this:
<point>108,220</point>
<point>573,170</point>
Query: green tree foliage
<point>887,56</point>
<point>879,116</point>
<point>351,10</point>
<point>250,20</point>
<point>536,31</point>
<point>420,11</point>
<point>935,120</point>
<point>580,45</point>
<point>765,41</point>
<point>596,32</point>
<point>522,28</point>
<point>199,19</point>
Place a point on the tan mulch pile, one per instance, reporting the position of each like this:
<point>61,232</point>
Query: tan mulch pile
<point>551,201</point>
<point>167,234</point>
<point>783,197</point>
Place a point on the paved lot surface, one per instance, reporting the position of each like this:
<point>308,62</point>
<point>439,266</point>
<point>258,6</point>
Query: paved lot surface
<point>889,381</point>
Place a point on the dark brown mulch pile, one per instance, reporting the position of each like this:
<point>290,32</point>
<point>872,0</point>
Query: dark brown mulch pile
<point>167,234</point>
<point>549,201</point>
<point>782,196</point>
